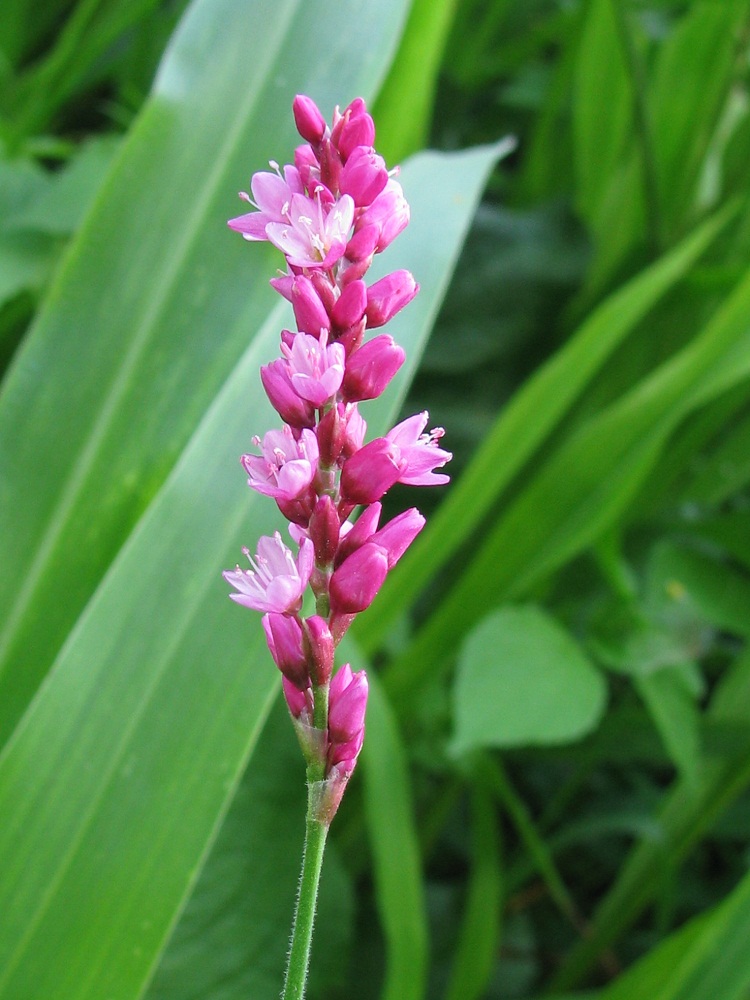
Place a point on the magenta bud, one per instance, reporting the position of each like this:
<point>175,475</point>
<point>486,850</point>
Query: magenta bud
<point>371,472</point>
<point>357,580</point>
<point>396,536</point>
<point>284,638</point>
<point>363,244</point>
<point>331,432</point>
<point>283,285</point>
<point>291,408</point>
<point>330,166</point>
<point>309,311</point>
<point>346,713</point>
<point>369,369</point>
<point>350,305</point>
<point>319,647</point>
<point>358,130</point>
<point>355,429</point>
<point>310,123</point>
<point>296,700</point>
<point>324,530</point>
<point>325,290</point>
<point>389,212</point>
<point>364,176</point>
<point>388,296</point>
<point>364,528</point>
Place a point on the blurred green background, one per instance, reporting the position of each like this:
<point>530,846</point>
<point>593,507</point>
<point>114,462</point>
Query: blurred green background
<point>554,796</point>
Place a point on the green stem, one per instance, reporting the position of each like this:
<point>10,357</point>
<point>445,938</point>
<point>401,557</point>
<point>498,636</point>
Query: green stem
<point>307,897</point>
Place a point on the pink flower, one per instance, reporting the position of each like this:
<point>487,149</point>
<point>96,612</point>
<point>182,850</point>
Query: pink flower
<point>316,370</point>
<point>310,123</point>
<point>371,471</point>
<point>284,638</point>
<point>364,176</point>
<point>370,368</point>
<point>419,451</point>
<point>276,581</point>
<point>346,715</point>
<point>312,236</point>
<point>357,580</point>
<point>388,296</point>
<point>286,466</point>
<point>273,196</point>
<point>284,397</point>
<point>389,212</point>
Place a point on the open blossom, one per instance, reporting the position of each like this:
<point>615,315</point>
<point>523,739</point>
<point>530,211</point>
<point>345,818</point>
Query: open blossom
<point>420,451</point>
<point>286,467</point>
<point>312,236</point>
<point>272,196</point>
<point>316,370</point>
<point>277,580</point>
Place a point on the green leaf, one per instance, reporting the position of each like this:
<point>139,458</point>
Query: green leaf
<point>397,864</point>
<point>521,680</point>
<point>476,951</point>
<point>585,485</point>
<point>705,960</point>
<point>155,304</point>
<point>676,716</point>
<point>523,426</point>
<point>123,767</point>
<point>403,110</point>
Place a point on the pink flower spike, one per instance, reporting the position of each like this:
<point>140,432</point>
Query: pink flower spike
<point>284,638</point>
<point>420,451</point>
<point>315,369</point>
<point>371,368</point>
<point>346,714</point>
<point>388,296</point>
<point>355,583</point>
<point>371,471</point>
<point>396,536</point>
<point>313,237</point>
<point>286,466</point>
<point>276,581</point>
<point>310,123</point>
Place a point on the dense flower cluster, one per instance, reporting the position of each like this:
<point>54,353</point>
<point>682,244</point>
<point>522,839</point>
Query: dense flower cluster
<point>329,213</point>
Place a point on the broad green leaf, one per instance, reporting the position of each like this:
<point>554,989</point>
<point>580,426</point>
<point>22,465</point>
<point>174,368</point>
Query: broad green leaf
<point>404,106</point>
<point>523,680</point>
<point>123,767</point>
<point>232,939</point>
<point>395,847</point>
<point>522,427</point>
<point>155,304</point>
<point>705,960</point>
<point>477,947</point>
<point>585,485</point>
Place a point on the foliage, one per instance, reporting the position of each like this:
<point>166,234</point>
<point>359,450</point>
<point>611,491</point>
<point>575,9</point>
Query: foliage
<point>554,796</point>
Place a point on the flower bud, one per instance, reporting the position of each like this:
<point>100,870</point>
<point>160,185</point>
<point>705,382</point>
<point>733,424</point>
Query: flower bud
<point>324,530</point>
<point>350,305</point>
<point>308,167</point>
<point>370,369</point>
<point>371,472</point>
<point>355,583</point>
<point>331,432</point>
<point>388,296</point>
<point>355,131</point>
<point>363,244</point>
<point>309,311</point>
<point>310,123</point>
<point>389,212</point>
<point>291,408</point>
<point>396,536</point>
<point>330,166</point>
<point>362,531</point>
<point>364,176</point>
<point>296,699</point>
<point>346,713</point>
<point>319,648</point>
<point>284,638</point>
